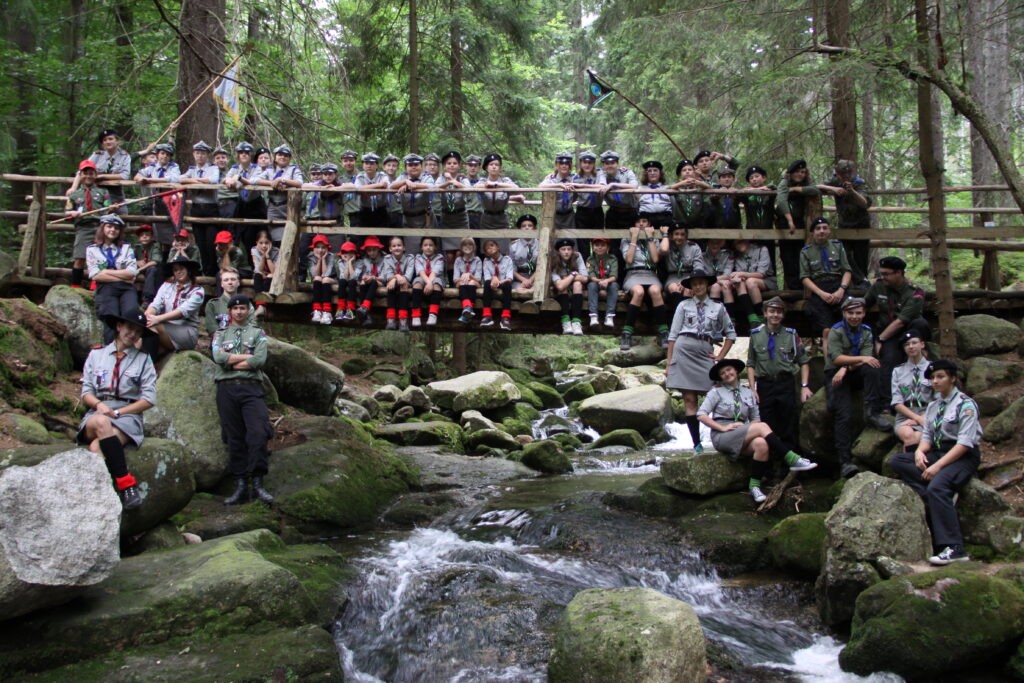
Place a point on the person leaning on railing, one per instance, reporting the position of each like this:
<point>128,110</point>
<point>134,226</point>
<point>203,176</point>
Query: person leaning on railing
<point>163,170</point>
<point>791,208</point>
<point>204,203</point>
<point>852,204</point>
<point>280,176</point>
<point>84,199</point>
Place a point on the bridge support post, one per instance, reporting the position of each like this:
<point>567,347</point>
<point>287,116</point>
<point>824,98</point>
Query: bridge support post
<point>990,275</point>
<point>33,247</point>
<point>546,246</point>
<point>284,280</point>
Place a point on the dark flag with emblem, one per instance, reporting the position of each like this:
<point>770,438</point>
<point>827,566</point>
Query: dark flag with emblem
<point>598,90</point>
<point>173,205</point>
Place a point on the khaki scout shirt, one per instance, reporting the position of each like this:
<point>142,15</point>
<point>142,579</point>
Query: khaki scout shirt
<point>790,353</point>
<point>952,421</point>
<point>811,264</point>
<point>905,303</point>
<point>234,339</point>
<point>848,341</point>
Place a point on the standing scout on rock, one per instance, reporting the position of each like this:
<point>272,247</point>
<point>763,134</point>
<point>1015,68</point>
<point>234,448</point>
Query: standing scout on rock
<point>239,351</point>
<point>163,171</point>
<point>204,203</point>
<point>730,412</point>
<point>118,385</point>
<point>282,175</point>
<point>86,198</point>
<point>112,266</point>
<point>945,459</point>
<point>242,178</point>
<point>825,274</point>
<point>911,390</point>
<point>774,356</point>
<point>112,163</point>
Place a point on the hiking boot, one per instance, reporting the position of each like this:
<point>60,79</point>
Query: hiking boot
<point>878,422</point>
<point>130,498</point>
<point>802,465</point>
<point>260,492</point>
<point>949,555</point>
<point>367,320</point>
<point>626,342</point>
<point>848,469</point>
<point>361,312</point>
<point>403,325</point>
<point>757,494</point>
<point>241,493</point>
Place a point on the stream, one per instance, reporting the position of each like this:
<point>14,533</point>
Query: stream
<point>477,595</point>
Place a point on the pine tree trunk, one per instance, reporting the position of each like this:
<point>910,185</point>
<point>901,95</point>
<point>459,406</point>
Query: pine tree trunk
<point>254,22</point>
<point>73,50</point>
<point>844,102</point>
<point>414,79</point>
<point>455,62</point>
<point>123,65</point>
<point>201,58</point>
<point>23,36</point>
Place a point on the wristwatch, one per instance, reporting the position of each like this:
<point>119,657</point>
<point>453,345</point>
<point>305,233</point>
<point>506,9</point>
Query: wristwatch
<point>117,412</point>
<point>805,386</point>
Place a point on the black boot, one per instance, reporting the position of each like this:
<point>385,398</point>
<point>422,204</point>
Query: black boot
<point>846,467</point>
<point>130,498</point>
<point>241,494</point>
<point>260,492</point>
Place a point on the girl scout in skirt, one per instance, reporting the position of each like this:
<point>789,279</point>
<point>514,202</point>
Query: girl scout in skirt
<point>696,325</point>
<point>523,252</point>
<point>945,460</point>
<point>112,266</point>
<point>118,385</point>
<point>911,391</point>
<point>730,411</point>
<point>640,252</point>
<point>174,313</point>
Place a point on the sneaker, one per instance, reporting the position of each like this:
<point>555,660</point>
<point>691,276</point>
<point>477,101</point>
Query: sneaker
<point>879,422</point>
<point>467,315</point>
<point>362,312</point>
<point>848,469</point>
<point>506,324</point>
<point>325,318</point>
<point>340,315</point>
<point>487,321</point>
<point>416,322</point>
<point>663,339</point>
<point>594,320</point>
<point>130,498</point>
<point>367,320</point>
<point>431,319</point>
<point>577,328</point>
<point>698,449</point>
<point>949,555</point>
<point>316,316</point>
<point>609,320</point>
<point>757,494</point>
<point>566,327</point>
<point>391,324</point>
<point>626,342</point>
<point>348,315</point>
<point>802,465</point>
<point>403,324</point>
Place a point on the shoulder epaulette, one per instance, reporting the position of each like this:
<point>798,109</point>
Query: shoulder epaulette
<point>98,346</point>
<point>839,242</point>
<point>837,326</point>
<point>790,330</point>
<point>866,326</point>
<point>758,328</point>
<point>191,167</point>
<point>806,246</point>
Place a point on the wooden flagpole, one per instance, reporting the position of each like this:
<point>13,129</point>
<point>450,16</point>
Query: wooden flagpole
<point>645,114</point>
<point>114,206</point>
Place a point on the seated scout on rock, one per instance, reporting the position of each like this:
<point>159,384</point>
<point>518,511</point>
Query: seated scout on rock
<point>911,391</point>
<point>825,274</point>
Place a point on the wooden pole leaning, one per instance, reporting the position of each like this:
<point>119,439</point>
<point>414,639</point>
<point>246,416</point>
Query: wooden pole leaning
<point>546,246</point>
<point>33,247</point>
<point>289,254</point>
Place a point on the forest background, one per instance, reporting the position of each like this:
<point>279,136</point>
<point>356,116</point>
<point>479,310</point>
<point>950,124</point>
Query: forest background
<point>760,80</point>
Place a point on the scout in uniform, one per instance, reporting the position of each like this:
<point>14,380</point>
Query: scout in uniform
<point>118,385</point>
<point>900,310</point>
<point>432,168</point>
<point>750,277</point>
<point>450,207</point>
<point>230,256</point>
<point>564,178</point>
<point>240,351</point>
<point>112,266</point>
<point>347,266</point>
<point>390,166</point>
<point>174,312</point>
<point>725,208</point>
<point>945,459</point>
<point>589,214</point>
<point>413,192</point>
<point>428,275</point>
<point>849,365</point>
<point>825,274</point>
<point>774,357</point>
<point>149,258</point>
<point>370,271</point>
<point>495,199</point>
<point>656,207</point>
<point>689,208</point>
<point>498,274</point>
<point>911,391</point>
<point>568,275</point>
<point>373,211</point>
<point>759,209</point>
<point>474,207</point>
<point>112,163</point>
<point>163,171</point>
<point>640,253</point>
<point>622,211</point>
<point>852,204</point>
<point>698,323</point>
<point>681,257</point>
<point>602,274</point>
<point>322,205</point>
<point>730,411</point>
<point>252,203</point>
<point>204,203</point>
<point>347,176</point>
<point>467,274</point>
<point>182,247</point>
<point>523,252</point>
<point>315,172</point>
<point>264,264</point>
<point>216,315</point>
<point>282,175</point>
<point>227,199</point>
<point>88,197</point>
<point>320,267</point>
<point>795,199</point>
<point>705,161</point>
<point>397,276</point>
<point>718,263</point>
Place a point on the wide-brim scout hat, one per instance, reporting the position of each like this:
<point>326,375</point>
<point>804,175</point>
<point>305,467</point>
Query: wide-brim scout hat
<point>941,364</point>
<point>372,241</point>
<point>193,266</point>
<point>653,163</point>
<point>587,155</point>
<point>755,169</point>
<point>164,147</point>
<point>136,318</point>
<point>370,158</point>
<point>113,219</point>
<point>244,147</point>
<point>201,147</point>
<point>716,369</point>
<point>320,239</point>
<point>852,302</point>
<point>412,159</point>
<point>526,217</point>
<point>88,163</point>
<point>348,246</point>
<point>609,155</point>
<point>563,158</point>
<point>698,275</point>
<point>492,157</point>
<point>105,132</point>
<point>683,163</point>
<point>223,237</point>
<point>349,154</point>
<point>451,155</point>
<point>283,149</point>
<point>701,154</point>
<point>775,302</point>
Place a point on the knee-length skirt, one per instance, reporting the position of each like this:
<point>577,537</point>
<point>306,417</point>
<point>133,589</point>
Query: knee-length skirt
<point>640,277</point>
<point>131,425</point>
<point>690,364</point>
<point>730,443</point>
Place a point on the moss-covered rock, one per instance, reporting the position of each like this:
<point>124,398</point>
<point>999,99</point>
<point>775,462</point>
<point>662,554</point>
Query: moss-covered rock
<point>484,390</point>
<point>207,517</point>
<point>166,483</point>
<point>491,438</point>
<point>530,396</point>
<point>651,499</point>
<point>929,625</point>
<point>546,456</point>
<point>734,542</point>
<point>415,397</point>
<point>420,508</point>
<point>643,354</point>
<point>982,333</point>
<point>301,379</point>
<point>981,509</point>
<point>516,427</point>
<point>1006,424</point>
<point>604,382</point>
<point>873,447</point>
<point>630,438</point>
<point>704,474</point>
<point>627,634</point>
<point>569,442</point>
<point>435,433</point>
<point>357,365</point>
<point>519,410</point>
<point>579,391</point>
<point>549,396</point>
<point>33,349</point>
<point>24,429</point>
<point>163,536</point>
<point>75,309</point>
<point>797,542</point>
<point>985,373</point>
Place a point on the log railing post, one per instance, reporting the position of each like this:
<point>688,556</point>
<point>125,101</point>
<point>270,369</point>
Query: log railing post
<point>991,278</point>
<point>33,247</point>
<point>289,254</point>
<point>545,247</point>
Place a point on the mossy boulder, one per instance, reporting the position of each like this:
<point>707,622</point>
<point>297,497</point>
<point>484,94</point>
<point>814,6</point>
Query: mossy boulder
<point>301,379</point>
<point>579,391</point>
<point>982,509</point>
<point>24,429</point>
<point>546,456</point>
<point>570,442</point>
<point>232,585</point>
<point>981,334</point>
<point>651,499</point>
<point>76,310</point>
<point>630,438</point>
<point>517,427</point>
<point>33,349</point>
<point>734,542</point>
<point>415,397</point>
<point>644,354</point>
<point>704,474</point>
<point>357,365</point>
<point>419,508</point>
<point>873,447</point>
<point>796,543</point>
<point>548,396</point>
<point>343,479</point>
<point>605,381</point>
<point>530,396</point>
<point>435,433</point>
<point>352,410</point>
<point>387,393</point>
<point>484,390</point>
<point>207,517</point>
<point>927,626</point>
<point>517,411</point>
<point>643,409</point>
<point>985,373</point>
<point>163,536</point>
<point>640,376</point>
<point>491,438</point>
<point>1006,424</point>
<point>628,634</point>
<point>474,420</point>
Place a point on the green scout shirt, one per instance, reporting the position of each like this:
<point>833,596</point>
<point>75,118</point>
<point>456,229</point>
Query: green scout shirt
<point>789,352</point>
<point>851,214</point>
<point>154,253</point>
<point>905,304</point>
<point>351,199</point>
<point>234,339</point>
<point>237,258</point>
<point>217,316</point>
<point>77,202</point>
<point>795,203</point>
<point>848,341</point>
<point>609,265</point>
<point>760,209</point>
<point>811,261</point>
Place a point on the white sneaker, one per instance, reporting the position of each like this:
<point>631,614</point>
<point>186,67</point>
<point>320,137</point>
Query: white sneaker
<point>416,322</point>
<point>566,327</point>
<point>577,328</point>
<point>757,494</point>
<point>594,320</point>
<point>317,316</point>
<point>325,318</point>
<point>431,319</point>
<point>609,320</point>
<point>802,465</point>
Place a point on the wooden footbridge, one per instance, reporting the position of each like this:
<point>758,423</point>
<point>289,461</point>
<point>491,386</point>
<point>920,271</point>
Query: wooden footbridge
<point>535,311</point>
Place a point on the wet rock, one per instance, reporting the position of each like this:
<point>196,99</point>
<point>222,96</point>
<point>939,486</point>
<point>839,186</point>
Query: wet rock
<point>704,474</point>
<point>403,414</point>
<point>644,354</point>
<point>579,391</point>
<point>423,434</point>
<point>492,438</point>
<point>816,427</point>
<point>652,499</point>
<point>838,586</point>
<point>59,531</point>
<point>549,397</point>
<point>301,379</point>
<point>985,334</point>
<point>207,517</point>
<point>642,409</point>
<point>351,410</point>
<point>482,391</point>
<point>76,310</point>
<point>981,509</point>
<point>516,427</point>
<point>25,429</point>
<point>441,471</point>
<point>474,420</point>
<point>569,441</point>
<point>796,543</point>
<point>581,370</point>
<point>927,626</point>
<point>414,396</point>
<point>388,393</point>
<point>873,447</point>
<point>734,542</point>
<point>546,456</point>
<point>630,438</point>
<point>605,381</point>
<point>161,537</point>
<point>528,395</point>
<point>517,411</point>
<point>419,509</point>
<point>1006,424</point>
<point>889,568</point>
<point>628,634</point>
<point>555,424</point>
<point>640,376</point>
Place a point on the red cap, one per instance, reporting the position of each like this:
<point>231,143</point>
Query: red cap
<point>599,239</point>
<point>348,246</point>
<point>146,227</point>
<point>182,234</point>
<point>87,164</point>
<point>372,241</point>
<point>223,237</point>
<point>321,239</point>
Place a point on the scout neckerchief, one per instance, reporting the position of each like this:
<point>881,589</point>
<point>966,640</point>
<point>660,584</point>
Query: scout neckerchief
<point>745,261</point>
<point>450,199</point>
<point>497,272</point>
<point>759,206</point>
<point>111,255</point>
<point>600,268</point>
<point>467,263</point>
<point>244,172</point>
<point>564,198</point>
<point>615,195</point>
<point>825,262</point>
<point>771,344</point>
<point>728,208</point>
<point>373,267</point>
<point>160,171</point>
<point>937,422</point>
<point>181,290</point>
<point>88,199</point>
<point>428,264</point>
<point>115,377</point>
<point>854,337</point>
<point>912,394</point>
<point>700,318</point>
<point>587,200</point>
<point>737,415</point>
<point>678,255</point>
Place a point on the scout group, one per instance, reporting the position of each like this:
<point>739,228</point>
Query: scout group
<point>696,295</point>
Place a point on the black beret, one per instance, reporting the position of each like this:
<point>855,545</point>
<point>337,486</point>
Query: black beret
<point>526,217</point>
<point>893,263</point>
<point>681,164</point>
<point>239,300</point>
<point>701,154</point>
<point>451,155</point>
<point>756,169</point>
<point>941,364</point>
<point>796,165</point>
<point>491,157</point>
<point>565,242</point>
<point>653,163</point>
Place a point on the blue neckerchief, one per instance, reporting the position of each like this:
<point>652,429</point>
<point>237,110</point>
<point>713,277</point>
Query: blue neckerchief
<point>854,338</point>
<point>111,257</point>
<point>825,263</point>
<point>771,345</point>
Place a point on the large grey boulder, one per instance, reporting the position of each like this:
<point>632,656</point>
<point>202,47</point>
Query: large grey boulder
<point>628,634</point>
<point>704,474</point>
<point>8,267</point>
<point>481,440</point>
<point>644,354</point>
<point>874,516</point>
<point>186,412</point>
<point>1006,424</point>
<point>415,397</point>
<point>163,469</point>
<point>436,433</point>
<point>474,421</point>
<point>75,309</point>
<point>302,380</point>
<point>643,409</point>
<point>484,390</point>
<point>641,375</point>
<point>982,333</point>
<point>988,373</point>
<point>983,512</point>
<point>59,531</point>
<point>546,456</point>
<point>351,410</point>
